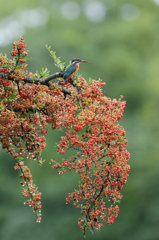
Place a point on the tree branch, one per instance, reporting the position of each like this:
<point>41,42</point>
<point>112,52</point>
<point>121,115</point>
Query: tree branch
<point>44,81</point>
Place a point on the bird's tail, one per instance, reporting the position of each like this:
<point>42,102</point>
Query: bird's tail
<point>63,81</point>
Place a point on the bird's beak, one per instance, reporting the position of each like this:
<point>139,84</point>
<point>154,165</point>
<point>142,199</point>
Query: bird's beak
<point>83,61</point>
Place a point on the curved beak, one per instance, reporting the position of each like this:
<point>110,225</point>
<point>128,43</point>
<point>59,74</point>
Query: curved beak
<point>83,61</point>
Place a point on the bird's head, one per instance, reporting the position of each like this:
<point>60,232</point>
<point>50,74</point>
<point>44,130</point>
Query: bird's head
<point>78,60</point>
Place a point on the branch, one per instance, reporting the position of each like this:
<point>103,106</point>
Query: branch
<point>44,81</point>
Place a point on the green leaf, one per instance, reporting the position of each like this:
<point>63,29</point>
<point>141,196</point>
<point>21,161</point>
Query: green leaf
<point>12,96</point>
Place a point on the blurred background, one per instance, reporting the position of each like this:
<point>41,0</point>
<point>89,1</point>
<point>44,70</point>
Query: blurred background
<point>120,38</point>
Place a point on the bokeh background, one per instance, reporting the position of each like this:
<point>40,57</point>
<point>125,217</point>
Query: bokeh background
<point>120,38</point>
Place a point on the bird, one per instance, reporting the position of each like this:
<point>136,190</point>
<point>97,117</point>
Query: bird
<point>72,69</point>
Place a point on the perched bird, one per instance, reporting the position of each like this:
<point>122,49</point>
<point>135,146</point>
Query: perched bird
<point>72,69</point>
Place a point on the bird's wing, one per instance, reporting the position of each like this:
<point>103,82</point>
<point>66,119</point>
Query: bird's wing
<point>69,70</point>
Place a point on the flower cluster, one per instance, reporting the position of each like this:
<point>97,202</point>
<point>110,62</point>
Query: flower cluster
<point>89,121</point>
<point>25,111</point>
<point>29,189</point>
<point>19,47</point>
<point>91,129</point>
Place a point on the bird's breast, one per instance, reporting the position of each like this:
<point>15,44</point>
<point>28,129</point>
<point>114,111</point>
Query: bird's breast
<point>77,67</point>
<point>76,70</point>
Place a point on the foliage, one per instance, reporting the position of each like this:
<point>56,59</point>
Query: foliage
<point>57,61</point>
<point>89,122</point>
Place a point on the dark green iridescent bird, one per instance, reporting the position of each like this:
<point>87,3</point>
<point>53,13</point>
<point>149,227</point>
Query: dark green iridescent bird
<point>72,69</point>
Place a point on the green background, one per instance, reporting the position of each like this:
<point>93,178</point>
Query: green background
<point>123,50</point>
